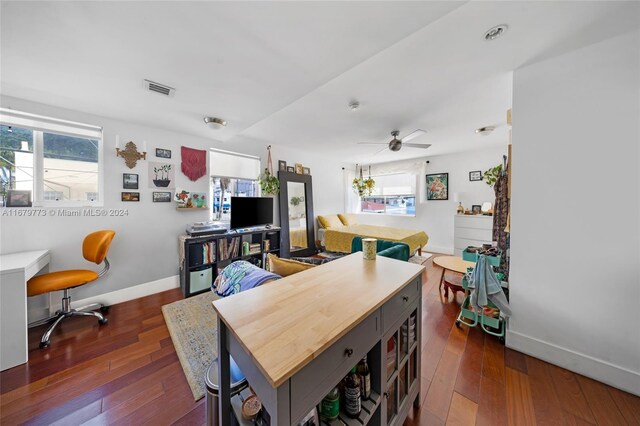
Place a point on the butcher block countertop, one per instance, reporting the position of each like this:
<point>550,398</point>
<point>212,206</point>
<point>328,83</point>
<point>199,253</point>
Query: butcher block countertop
<point>285,324</point>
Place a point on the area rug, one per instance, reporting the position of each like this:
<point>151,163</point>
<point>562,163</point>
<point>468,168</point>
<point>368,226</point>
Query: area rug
<point>420,260</point>
<point>193,327</point>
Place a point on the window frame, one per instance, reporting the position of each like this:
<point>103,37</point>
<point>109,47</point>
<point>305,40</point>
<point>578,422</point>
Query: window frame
<point>44,125</point>
<point>385,196</point>
<point>213,174</point>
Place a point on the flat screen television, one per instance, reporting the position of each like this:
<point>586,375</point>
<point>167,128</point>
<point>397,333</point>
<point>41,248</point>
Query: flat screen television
<point>251,211</point>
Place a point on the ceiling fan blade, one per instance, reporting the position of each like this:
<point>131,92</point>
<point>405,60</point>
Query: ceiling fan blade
<point>373,143</point>
<point>416,145</point>
<point>414,134</point>
<point>378,152</point>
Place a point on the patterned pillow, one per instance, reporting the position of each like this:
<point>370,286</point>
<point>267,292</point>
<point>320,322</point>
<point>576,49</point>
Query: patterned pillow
<point>240,276</point>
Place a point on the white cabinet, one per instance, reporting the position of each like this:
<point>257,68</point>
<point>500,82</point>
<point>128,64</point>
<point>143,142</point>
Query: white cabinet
<point>471,230</point>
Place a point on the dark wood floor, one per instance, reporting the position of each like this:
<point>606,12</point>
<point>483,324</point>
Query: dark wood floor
<point>128,373</point>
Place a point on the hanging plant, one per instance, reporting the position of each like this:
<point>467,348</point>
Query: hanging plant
<point>295,201</point>
<point>491,175</point>
<point>363,187</point>
<point>269,184</point>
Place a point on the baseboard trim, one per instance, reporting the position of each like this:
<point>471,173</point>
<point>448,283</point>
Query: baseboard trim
<point>130,293</point>
<point>594,368</point>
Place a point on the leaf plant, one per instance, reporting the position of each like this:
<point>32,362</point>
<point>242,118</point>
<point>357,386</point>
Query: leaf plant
<point>269,184</point>
<point>491,175</point>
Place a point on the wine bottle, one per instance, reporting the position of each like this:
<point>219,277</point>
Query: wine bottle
<point>365,378</point>
<point>352,397</point>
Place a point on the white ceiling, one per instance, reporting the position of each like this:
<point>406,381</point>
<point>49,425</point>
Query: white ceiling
<point>284,72</point>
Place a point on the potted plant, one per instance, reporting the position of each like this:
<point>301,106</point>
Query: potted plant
<point>363,187</point>
<point>163,173</point>
<point>491,175</point>
<point>295,201</point>
<point>269,184</point>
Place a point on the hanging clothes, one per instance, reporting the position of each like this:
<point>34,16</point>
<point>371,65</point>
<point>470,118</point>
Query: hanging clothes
<point>501,221</point>
<point>485,286</point>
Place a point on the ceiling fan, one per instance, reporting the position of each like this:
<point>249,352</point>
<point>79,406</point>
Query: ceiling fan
<point>396,144</point>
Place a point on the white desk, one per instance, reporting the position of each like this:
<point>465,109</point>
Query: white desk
<point>15,270</point>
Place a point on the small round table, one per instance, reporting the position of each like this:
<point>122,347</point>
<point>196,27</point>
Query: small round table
<point>454,264</point>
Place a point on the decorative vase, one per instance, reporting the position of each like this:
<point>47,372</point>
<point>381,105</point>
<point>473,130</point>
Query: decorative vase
<point>460,209</point>
<point>369,248</point>
<point>161,183</point>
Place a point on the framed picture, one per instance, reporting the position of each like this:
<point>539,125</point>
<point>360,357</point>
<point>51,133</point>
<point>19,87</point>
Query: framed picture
<point>291,169</point>
<point>163,153</point>
<point>474,176</point>
<point>476,209</point>
<point>18,198</point>
<point>162,197</point>
<point>161,175</point>
<point>129,181</point>
<point>130,196</point>
<point>299,168</point>
<point>306,171</point>
<point>282,166</point>
<point>438,186</point>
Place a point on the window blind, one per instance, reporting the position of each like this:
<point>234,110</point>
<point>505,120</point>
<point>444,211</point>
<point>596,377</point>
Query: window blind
<point>233,165</point>
<point>10,117</point>
<point>395,184</point>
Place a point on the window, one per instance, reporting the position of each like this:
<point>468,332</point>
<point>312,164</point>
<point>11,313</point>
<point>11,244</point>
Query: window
<point>232,175</point>
<point>393,195</point>
<point>230,188</point>
<point>59,161</point>
<point>53,196</point>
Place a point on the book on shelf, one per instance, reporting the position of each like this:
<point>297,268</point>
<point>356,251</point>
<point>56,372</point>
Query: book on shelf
<point>228,249</point>
<point>209,252</point>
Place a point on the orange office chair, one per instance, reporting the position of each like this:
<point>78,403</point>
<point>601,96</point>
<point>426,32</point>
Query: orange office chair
<point>94,248</point>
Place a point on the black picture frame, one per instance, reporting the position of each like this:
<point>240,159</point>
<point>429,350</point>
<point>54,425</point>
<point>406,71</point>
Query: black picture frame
<point>476,209</point>
<point>130,196</point>
<point>475,176</point>
<point>282,166</point>
<point>163,153</point>
<point>18,198</point>
<point>438,193</point>
<point>291,169</point>
<point>162,197</point>
<point>306,171</point>
<point>130,181</point>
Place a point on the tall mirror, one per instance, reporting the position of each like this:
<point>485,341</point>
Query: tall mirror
<point>296,215</point>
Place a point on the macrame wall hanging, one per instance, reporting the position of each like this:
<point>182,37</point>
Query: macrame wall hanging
<point>194,163</point>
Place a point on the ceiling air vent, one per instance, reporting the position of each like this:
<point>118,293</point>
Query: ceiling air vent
<point>152,86</point>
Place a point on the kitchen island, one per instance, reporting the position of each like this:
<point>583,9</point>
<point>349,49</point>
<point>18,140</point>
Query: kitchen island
<point>296,338</point>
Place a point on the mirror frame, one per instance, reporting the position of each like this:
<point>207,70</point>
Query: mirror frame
<point>285,249</point>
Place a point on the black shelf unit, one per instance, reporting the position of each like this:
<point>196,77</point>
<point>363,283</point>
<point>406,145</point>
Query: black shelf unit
<point>204,255</point>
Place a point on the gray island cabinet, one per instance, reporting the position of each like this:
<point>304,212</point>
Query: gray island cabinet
<point>296,338</point>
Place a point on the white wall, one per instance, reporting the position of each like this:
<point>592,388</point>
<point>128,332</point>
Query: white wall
<point>436,217</point>
<point>575,258</point>
<point>145,248</point>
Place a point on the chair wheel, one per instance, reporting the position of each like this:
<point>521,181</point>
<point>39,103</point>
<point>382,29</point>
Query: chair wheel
<point>103,321</point>
<point>104,309</point>
<point>45,344</point>
<point>457,323</point>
